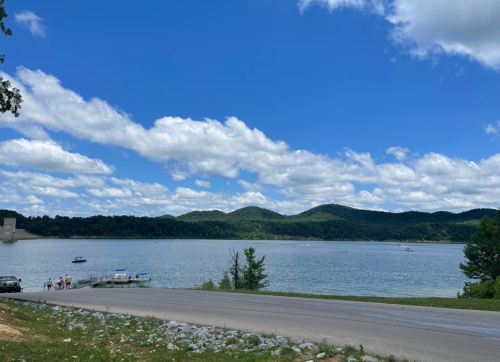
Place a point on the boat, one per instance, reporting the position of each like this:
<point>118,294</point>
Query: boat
<point>141,278</point>
<point>408,249</point>
<point>157,241</point>
<point>79,259</point>
<point>119,278</point>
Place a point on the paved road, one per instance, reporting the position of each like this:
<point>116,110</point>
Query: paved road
<point>415,333</point>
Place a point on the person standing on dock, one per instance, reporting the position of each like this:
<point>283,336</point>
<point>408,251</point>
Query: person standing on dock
<point>49,284</point>
<point>67,280</point>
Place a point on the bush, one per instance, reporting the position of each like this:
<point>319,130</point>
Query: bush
<point>482,290</point>
<point>208,285</point>
<point>497,289</point>
<point>225,282</point>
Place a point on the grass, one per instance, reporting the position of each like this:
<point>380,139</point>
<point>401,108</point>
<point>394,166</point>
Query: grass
<point>39,332</point>
<point>453,303</point>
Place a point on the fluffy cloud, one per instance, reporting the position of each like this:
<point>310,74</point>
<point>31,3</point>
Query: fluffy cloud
<point>202,183</point>
<point>33,22</point>
<point>434,27</point>
<point>40,179</point>
<point>48,156</point>
<point>190,148</point>
<point>399,152</point>
<point>493,129</point>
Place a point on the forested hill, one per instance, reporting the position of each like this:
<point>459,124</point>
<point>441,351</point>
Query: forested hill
<point>326,222</point>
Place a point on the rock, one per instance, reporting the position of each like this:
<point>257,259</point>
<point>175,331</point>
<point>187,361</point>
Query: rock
<point>369,359</point>
<point>192,347</point>
<point>172,347</point>
<point>307,345</point>
<point>296,340</point>
<point>67,340</point>
<point>99,315</point>
<point>351,359</point>
<point>295,349</point>
<point>321,355</point>
<point>276,352</point>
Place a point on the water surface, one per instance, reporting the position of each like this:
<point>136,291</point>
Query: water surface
<point>326,267</point>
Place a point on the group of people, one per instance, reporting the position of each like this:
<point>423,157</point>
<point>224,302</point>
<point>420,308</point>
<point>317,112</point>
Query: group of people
<point>59,285</point>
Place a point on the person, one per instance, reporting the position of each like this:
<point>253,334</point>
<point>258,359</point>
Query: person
<point>49,284</point>
<point>60,283</point>
<point>67,280</point>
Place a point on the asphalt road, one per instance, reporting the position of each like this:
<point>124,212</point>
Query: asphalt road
<point>416,333</point>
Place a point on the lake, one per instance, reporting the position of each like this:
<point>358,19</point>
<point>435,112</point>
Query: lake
<point>326,267</point>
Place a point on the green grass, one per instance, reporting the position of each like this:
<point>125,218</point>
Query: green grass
<point>44,331</point>
<point>454,303</point>
<point>46,337</point>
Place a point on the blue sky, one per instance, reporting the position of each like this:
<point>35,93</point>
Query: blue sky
<point>166,107</point>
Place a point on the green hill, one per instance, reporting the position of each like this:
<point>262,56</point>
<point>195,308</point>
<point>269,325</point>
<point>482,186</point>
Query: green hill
<point>325,222</point>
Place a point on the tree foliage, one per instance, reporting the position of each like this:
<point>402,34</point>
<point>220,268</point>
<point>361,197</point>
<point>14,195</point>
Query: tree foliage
<point>459,227</point>
<point>249,276</point>
<point>10,98</point>
<point>483,253</point>
<point>253,277</point>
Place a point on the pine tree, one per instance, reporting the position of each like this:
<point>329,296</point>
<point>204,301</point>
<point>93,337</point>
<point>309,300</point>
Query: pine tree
<point>483,253</point>
<point>252,274</point>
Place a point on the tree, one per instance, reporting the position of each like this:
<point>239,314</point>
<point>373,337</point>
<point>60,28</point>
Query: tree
<point>10,98</point>
<point>235,269</point>
<point>253,272</point>
<point>483,253</point>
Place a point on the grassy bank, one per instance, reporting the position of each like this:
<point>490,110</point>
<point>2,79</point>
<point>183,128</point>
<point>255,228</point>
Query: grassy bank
<point>454,303</point>
<point>38,332</point>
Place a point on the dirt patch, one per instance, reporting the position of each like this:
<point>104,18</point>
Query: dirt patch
<point>7,331</point>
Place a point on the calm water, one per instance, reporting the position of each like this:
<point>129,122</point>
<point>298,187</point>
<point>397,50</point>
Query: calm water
<point>349,268</point>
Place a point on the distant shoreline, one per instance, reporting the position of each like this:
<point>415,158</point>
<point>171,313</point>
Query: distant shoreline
<point>79,237</point>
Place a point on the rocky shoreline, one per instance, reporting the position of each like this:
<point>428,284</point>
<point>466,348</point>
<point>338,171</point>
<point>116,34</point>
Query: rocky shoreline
<point>178,336</point>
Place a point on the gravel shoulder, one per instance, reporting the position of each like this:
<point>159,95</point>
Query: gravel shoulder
<point>416,333</point>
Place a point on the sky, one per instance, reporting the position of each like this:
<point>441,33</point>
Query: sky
<point>151,108</point>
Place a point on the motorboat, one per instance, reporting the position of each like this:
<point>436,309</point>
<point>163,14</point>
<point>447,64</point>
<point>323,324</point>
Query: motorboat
<point>79,259</point>
<point>119,278</point>
<point>141,278</point>
<point>408,249</point>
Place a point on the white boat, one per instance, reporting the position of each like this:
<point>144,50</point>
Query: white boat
<point>408,249</point>
<point>119,278</point>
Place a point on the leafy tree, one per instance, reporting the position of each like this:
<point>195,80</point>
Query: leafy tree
<point>483,253</point>
<point>10,98</point>
<point>253,272</point>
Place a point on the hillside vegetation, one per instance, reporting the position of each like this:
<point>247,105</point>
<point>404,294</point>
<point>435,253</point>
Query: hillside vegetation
<point>325,222</point>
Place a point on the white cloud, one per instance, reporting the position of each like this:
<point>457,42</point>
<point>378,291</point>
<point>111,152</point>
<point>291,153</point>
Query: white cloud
<point>110,192</point>
<point>250,186</point>
<point>33,22</point>
<point>40,179</point>
<point>140,188</point>
<point>202,183</point>
<point>190,148</point>
<point>399,152</point>
<point>493,129</point>
<point>453,27</point>
<point>429,28</point>
<point>48,156</point>
<point>332,4</point>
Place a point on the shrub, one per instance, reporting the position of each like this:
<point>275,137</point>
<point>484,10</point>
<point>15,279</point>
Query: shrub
<point>497,289</point>
<point>208,285</point>
<point>225,282</point>
<point>482,290</point>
